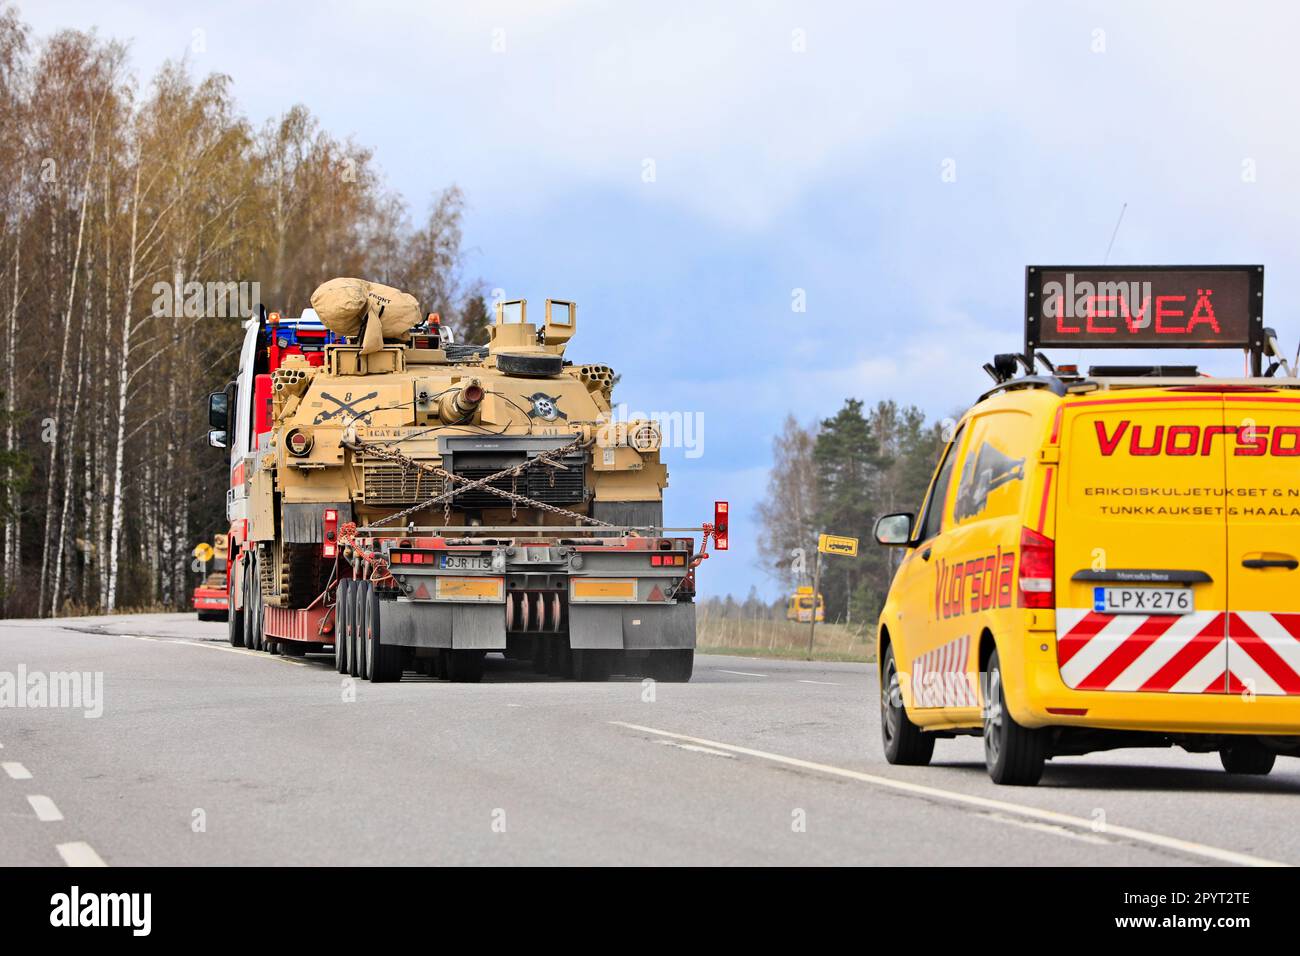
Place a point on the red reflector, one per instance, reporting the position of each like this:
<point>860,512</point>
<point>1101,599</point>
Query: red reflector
<point>1069,711</point>
<point>1037,570</point>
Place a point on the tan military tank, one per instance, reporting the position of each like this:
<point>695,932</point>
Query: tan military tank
<point>417,503</point>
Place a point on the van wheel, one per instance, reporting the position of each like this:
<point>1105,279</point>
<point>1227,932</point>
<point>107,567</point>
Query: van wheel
<point>905,743</point>
<point>1013,754</point>
<point>1247,756</point>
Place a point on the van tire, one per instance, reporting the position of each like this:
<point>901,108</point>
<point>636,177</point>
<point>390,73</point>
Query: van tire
<point>1247,756</point>
<point>1013,754</point>
<point>905,743</point>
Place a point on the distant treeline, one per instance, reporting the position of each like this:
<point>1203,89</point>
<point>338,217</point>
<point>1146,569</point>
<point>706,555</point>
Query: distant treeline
<point>123,206</point>
<point>837,476</point>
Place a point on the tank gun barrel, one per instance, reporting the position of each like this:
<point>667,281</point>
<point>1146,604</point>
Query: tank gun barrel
<point>458,405</point>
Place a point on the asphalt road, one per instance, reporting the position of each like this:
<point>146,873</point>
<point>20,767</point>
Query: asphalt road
<point>205,754</point>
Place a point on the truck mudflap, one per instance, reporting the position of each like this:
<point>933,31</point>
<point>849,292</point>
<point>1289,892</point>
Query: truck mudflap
<point>483,626</point>
<point>632,627</point>
<point>439,625</point>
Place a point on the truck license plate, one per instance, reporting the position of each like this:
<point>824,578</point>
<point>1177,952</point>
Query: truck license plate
<point>464,562</point>
<point>1142,600</point>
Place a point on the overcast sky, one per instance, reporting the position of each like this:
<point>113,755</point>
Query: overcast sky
<point>896,164</point>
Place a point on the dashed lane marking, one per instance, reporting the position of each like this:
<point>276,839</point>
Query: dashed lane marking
<point>740,673</point>
<point>79,854</point>
<point>45,809</point>
<point>986,804</point>
<point>825,683</point>
<point>16,770</point>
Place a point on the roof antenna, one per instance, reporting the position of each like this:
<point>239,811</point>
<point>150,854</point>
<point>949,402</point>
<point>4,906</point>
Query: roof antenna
<point>1106,259</point>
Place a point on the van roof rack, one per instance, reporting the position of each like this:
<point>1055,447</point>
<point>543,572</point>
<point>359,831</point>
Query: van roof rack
<point>1143,371</point>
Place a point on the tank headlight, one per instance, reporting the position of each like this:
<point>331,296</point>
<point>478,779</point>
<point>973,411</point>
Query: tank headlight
<point>644,436</point>
<point>298,443</point>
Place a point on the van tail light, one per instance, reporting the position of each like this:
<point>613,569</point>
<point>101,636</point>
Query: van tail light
<point>1037,570</point>
<point>331,528</point>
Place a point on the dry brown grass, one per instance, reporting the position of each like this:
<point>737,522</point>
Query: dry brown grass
<point>768,638</point>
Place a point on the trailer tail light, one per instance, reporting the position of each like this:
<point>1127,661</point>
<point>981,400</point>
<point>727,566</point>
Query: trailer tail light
<point>1037,570</point>
<point>667,560</point>
<point>331,528</point>
<point>720,525</point>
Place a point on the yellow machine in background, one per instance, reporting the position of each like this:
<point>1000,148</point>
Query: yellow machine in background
<point>800,606</point>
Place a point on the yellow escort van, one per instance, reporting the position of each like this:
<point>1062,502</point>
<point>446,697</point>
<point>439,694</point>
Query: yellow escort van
<point>1108,559</point>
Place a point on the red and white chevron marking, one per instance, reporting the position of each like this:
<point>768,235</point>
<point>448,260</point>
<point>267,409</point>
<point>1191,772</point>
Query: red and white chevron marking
<point>939,677</point>
<point>1208,652</point>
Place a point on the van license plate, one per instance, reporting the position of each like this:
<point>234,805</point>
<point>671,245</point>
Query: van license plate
<point>1142,600</point>
<point>464,562</point>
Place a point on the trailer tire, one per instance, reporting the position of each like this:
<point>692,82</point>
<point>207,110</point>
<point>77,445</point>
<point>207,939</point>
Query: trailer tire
<point>383,661</point>
<point>671,666</point>
<point>465,666</point>
<point>250,605</point>
<point>359,628</point>
<point>342,604</point>
<point>592,665</point>
<point>235,619</point>
<point>356,653</point>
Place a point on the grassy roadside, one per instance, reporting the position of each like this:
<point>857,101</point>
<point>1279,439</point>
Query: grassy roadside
<point>751,637</point>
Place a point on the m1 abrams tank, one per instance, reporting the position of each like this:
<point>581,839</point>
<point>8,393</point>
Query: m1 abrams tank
<point>418,504</point>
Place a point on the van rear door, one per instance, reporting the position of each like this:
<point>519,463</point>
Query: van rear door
<point>1263,519</point>
<point>1141,577</point>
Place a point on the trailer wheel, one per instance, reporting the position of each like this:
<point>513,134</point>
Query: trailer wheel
<point>360,601</point>
<point>356,653</point>
<point>342,604</point>
<point>235,618</point>
<point>383,661</point>
<point>592,665</point>
<point>671,666</point>
<point>465,667</point>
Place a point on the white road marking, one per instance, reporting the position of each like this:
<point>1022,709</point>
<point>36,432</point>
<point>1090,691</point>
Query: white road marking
<point>741,673</point>
<point>1051,828</point>
<point>697,749</point>
<point>45,809</point>
<point>79,854</point>
<point>16,770</point>
<point>984,803</point>
<point>826,683</point>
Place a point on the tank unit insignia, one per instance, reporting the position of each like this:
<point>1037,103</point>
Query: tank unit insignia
<point>345,404</point>
<point>546,407</point>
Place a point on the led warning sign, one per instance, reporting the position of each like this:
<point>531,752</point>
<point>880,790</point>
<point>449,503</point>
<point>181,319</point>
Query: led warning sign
<point>1144,306</point>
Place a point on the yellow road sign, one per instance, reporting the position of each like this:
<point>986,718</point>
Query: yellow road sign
<point>837,544</point>
<point>203,552</point>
